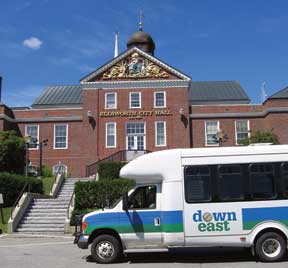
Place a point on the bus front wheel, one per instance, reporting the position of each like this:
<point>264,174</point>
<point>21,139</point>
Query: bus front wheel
<point>270,247</point>
<point>105,249</point>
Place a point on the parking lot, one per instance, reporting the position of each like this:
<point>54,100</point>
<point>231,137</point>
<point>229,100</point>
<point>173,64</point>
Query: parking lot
<point>29,251</point>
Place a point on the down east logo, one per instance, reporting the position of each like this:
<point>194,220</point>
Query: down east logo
<point>213,221</point>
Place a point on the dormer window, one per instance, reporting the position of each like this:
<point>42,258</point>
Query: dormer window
<point>111,100</point>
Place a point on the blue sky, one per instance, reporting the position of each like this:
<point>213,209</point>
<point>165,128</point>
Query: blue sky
<point>51,42</point>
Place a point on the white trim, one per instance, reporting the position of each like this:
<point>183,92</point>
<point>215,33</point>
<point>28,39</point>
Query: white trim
<point>26,134</point>
<point>164,106</point>
<point>165,134</point>
<point>218,127</point>
<point>235,126</point>
<point>184,83</point>
<point>115,99</point>
<point>140,100</point>
<point>54,137</point>
<point>115,134</point>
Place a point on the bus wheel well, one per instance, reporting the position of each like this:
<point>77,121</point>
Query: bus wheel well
<point>275,230</point>
<point>103,231</point>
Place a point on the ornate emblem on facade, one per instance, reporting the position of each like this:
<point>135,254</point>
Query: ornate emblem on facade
<point>133,67</point>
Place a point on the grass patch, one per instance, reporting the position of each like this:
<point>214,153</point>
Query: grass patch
<point>6,213</point>
<point>47,184</point>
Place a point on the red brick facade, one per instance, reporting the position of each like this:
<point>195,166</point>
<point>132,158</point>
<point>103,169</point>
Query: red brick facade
<point>185,123</point>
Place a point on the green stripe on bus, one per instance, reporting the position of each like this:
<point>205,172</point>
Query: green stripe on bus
<point>248,225</point>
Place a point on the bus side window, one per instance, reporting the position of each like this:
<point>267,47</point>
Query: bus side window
<point>230,183</point>
<point>197,183</point>
<point>285,179</point>
<point>262,181</point>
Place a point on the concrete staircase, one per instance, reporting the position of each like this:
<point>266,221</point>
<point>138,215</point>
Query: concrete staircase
<point>48,215</point>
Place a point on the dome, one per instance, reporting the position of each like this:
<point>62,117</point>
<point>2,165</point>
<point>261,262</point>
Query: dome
<point>141,40</point>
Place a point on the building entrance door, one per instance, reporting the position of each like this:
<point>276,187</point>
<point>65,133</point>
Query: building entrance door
<point>135,139</point>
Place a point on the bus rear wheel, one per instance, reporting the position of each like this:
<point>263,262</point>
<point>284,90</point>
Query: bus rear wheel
<point>270,247</point>
<point>105,249</point>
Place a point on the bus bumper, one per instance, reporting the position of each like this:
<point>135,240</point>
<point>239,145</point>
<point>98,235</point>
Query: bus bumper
<point>81,241</point>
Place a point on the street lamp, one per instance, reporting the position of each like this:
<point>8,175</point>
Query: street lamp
<point>220,137</point>
<point>41,144</point>
<point>27,140</point>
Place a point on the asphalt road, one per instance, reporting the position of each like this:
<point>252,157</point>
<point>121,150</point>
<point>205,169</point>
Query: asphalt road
<point>40,252</point>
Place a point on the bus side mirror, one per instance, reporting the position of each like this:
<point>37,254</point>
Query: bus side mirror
<point>125,201</point>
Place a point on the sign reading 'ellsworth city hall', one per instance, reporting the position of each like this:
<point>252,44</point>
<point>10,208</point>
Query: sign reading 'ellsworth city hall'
<point>135,113</point>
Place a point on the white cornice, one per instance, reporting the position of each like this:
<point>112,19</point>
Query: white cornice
<point>242,115</point>
<point>41,119</point>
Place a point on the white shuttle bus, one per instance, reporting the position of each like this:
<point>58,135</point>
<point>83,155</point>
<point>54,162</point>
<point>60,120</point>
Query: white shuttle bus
<point>208,197</point>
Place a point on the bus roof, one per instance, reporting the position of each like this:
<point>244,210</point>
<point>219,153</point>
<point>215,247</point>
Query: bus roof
<point>167,165</point>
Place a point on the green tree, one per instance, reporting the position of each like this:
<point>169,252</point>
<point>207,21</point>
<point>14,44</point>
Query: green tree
<point>261,136</point>
<point>12,152</point>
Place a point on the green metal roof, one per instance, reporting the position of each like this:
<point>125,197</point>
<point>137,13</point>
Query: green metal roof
<point>282,94</point>
<point>218,92</point>
<point>59,96</point>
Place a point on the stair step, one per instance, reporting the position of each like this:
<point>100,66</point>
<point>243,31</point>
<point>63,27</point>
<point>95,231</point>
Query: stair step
<point>62,203</point>
<point>48,206</point>
<point>45,218</point>
<point>38,230</point>
<point>47,210</point>
<point>41,214</point>
<point>39,201</point>
<point>41,225</point>
<point>41,220</point>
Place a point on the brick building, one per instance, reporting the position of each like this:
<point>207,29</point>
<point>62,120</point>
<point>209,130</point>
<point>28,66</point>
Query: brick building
<point>137,103</point>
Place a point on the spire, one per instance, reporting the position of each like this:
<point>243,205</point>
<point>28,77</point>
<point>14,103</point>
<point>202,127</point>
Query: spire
<point>116,45</point>
<point>140,21</point>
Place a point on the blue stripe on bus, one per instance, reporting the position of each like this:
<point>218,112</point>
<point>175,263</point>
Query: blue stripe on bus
<point>264,214</point>
<point>137,217</point>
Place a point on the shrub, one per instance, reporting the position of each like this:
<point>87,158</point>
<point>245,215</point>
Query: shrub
<point>261,136</point>
<point>47,171</point>
<point>110,170</point>
<point>12,184</point>
<point>12,153</point>
<point>93,195</point>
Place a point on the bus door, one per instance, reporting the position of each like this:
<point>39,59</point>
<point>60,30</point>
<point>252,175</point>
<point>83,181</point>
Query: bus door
<point>141,223</point>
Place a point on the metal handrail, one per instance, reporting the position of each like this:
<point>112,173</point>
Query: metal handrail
<point>71,202</point>
<point>19,197</point>
<point>121,157</point>
<point>56,174</point>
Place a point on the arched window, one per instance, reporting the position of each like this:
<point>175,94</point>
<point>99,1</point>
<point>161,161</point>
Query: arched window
<point>59,168</point>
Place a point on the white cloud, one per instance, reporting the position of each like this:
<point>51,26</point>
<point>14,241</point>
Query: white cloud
<point>33,43</point>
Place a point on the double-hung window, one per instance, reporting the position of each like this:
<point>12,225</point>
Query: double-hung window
<point>111,135</point>
<point>211,128</point>
<point>60,136</point>
<point>160,133</point>
<point>111,100</point>
<point>160,99</point>
<point>33,132</point>
<point>242,130</point>
<point>135,100</point>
